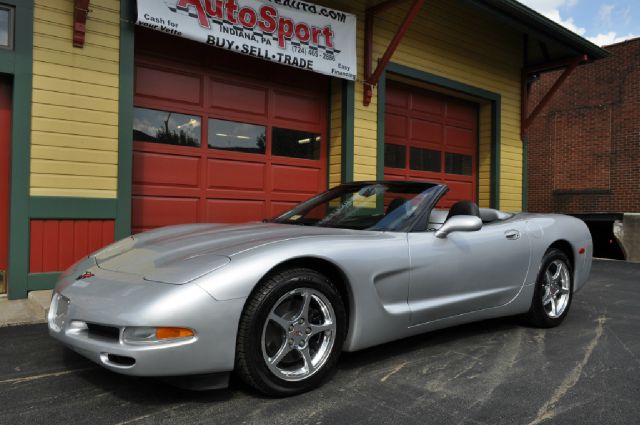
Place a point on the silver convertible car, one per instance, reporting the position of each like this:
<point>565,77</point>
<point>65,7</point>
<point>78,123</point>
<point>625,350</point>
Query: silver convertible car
<point>362,264</point>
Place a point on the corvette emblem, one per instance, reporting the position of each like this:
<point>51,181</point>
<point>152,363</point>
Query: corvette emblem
<point>85,275</point>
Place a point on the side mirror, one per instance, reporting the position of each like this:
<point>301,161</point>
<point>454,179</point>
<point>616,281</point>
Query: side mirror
<point>459,223</point>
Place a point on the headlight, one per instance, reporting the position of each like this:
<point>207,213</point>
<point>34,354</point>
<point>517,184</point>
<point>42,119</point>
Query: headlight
<point>147,334</point>
<point>58,312</point>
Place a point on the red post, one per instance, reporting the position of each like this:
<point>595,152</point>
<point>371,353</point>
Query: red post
<point>80,11</point>
<point>372,79</point>
<point>570,67</point>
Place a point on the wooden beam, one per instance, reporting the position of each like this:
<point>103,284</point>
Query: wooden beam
<point>373,78</point>
<point>527,120</point>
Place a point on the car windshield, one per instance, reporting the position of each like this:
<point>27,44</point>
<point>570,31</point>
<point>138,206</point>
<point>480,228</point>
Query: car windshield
<point>371,206</point>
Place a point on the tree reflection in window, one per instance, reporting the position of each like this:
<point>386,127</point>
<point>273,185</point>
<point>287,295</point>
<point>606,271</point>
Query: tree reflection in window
<point>166,127</point>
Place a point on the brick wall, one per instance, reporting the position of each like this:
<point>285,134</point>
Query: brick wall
<point>584,148</point>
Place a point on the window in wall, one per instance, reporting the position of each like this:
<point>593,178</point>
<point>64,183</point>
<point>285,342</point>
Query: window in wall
<point>295,144</point>
<point>394,155</point>
<point>456,163</point>
<point>424,159</point>
<point>6,27</point>
<point>237,136</point>
<point>171,128</point>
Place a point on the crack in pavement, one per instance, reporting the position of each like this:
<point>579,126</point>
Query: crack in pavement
<point>148,415</point>
<point>393,372</point>
<point>547,411</point>
<point>44,375</point>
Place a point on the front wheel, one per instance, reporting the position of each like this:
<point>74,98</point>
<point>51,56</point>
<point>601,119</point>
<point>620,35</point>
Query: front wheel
<point>291,333</point>
<point>553,292</point>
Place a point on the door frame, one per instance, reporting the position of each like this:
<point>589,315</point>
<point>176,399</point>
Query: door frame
<point>6,96</point>
<point>425,77</point>
<point>18,63</point>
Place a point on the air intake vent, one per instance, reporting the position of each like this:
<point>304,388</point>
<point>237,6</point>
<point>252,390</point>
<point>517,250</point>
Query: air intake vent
<point>103,332</point>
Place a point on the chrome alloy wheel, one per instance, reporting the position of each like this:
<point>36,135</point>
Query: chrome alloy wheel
<point>556,289</point>
<point>299,334</point>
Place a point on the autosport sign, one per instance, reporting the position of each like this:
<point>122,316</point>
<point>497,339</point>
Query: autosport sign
<point>290,32</point>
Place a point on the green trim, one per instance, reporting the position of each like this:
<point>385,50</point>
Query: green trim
<point>8,55</point>
<point>7,61</point>
<point>20,149</point>
<point>496,117</point>
<point>328,139</point>
<point>348,121</point>
<point>525,174</point>
<point>427,77</point>
<point>42,281</point>
<point>478,152</point>
<point>125,120</point>
<point>382,98</point>
<point>60,208</point>
<point>496,108</point>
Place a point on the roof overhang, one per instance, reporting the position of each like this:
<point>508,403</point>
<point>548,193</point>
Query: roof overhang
<point>546,40</point>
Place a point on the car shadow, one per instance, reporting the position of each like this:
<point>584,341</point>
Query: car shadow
<point>378,354</point>
<point>155,392</point>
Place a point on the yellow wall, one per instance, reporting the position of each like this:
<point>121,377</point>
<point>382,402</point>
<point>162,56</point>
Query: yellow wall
<point>335,142</point>
<point>75,93</point>
<point>75,101</point>
<point>484,159</point>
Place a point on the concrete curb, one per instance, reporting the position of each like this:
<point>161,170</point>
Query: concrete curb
<point>25,312</point>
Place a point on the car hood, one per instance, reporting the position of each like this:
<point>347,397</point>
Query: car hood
<point>180,254</point>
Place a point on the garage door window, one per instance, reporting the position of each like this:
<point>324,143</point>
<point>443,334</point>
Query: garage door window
<point>171,128</point>
<point>6,27</point>
<point>295,144</point>
<point>424,159</point>
<point>456,163</point>
<point>237,136</point>
<point>394,155</point>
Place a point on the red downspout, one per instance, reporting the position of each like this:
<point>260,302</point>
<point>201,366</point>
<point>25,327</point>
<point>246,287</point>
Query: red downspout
<point>373,78</point>
<point>80,11</point>
<point>569,65</point>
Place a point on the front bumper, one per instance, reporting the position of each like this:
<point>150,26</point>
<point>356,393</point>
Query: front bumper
<point>114,301</point>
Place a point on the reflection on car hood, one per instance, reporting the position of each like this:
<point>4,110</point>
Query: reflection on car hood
<point>160,252</point>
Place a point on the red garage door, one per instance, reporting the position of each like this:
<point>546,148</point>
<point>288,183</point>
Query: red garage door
<point>221,146</point>
<point>432,137</point>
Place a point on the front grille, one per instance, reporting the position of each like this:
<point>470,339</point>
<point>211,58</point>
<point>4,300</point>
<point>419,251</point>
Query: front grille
<point>103,332</point>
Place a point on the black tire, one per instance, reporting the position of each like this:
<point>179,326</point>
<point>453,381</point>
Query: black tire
<point>251,364</point>
<point>538,315</point>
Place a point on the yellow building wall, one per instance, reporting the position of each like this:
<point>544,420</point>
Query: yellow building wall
<point>335,131</point>
<point>74,140</point>
<point>451,40</point>
<point>484,156</point>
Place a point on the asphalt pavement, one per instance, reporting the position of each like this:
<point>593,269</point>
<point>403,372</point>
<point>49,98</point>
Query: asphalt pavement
<point>586,371</point>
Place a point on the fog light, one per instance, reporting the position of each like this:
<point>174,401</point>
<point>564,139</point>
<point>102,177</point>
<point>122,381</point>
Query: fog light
<point>147,334</point>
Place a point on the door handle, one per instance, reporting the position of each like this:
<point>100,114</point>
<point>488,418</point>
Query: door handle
<point>512,235</point>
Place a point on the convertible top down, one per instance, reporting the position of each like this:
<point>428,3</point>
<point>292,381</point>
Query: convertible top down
<point>362,264</point>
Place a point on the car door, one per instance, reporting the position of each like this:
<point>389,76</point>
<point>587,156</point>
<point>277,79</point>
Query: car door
<point>466,271</point>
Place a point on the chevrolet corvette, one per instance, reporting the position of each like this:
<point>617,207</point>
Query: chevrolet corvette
<point>276,302</point>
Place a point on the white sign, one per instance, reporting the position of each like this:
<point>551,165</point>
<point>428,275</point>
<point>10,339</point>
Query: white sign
<point>290,32</point>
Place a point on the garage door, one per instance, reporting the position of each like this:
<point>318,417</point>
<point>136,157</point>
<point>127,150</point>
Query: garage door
<point>431,137</point>
<point>224,146</point>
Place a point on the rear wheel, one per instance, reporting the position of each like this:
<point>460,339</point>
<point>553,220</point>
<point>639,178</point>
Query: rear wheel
<point>553,292</point>
<point>291,333</point>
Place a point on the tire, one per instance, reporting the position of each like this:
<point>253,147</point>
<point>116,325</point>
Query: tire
<point>553,291</point>
<point>282,348</point>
